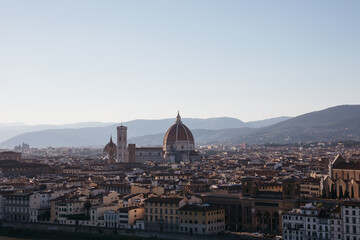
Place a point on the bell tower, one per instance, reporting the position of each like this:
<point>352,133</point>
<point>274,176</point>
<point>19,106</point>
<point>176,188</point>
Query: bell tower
<point>122,150</point>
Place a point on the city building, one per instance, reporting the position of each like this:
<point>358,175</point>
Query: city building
<point>22,207</point>
<point>317,222</point>
<point>308,222</point>
<point>10,155</point>
<point>310,188</point>
<point>350,211</point>
<point>13,168</point>
<point>201,219</point>
<point>162,213</point>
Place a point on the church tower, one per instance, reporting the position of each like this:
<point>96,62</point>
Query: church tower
<point>122,150</point>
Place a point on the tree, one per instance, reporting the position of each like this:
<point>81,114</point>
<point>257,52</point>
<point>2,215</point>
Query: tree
<point>323,195</point>
<point>341,194</point>
<point>352,192</point>
<point>346,194</point>
<point>87,206</point>
<point>332,192</point>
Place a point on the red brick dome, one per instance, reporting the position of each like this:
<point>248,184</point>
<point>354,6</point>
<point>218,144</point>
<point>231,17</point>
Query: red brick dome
<point>178,132</point>
<point>110,148</point>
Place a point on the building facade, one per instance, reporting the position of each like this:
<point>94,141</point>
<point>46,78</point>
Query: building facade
<point>201,219</point>
<point>162,213</point>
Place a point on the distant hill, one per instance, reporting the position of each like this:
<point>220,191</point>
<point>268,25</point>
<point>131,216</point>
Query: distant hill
<point>148,127</point>
<point>202,136</point>
<point>138,130</point>
<point>332,124</point>
<point>9,130</point>
<point>266,122</point>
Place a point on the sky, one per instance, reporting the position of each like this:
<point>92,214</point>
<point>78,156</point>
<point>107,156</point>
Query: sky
<point>115,61</point>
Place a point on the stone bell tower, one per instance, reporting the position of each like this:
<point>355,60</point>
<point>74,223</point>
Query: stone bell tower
<point>122,150</point>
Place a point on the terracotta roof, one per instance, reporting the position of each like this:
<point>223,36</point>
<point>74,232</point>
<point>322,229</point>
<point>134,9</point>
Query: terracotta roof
<point>178,132</point>
<point>344,165</point>
<point>164,200</point>
<point>200,208</point>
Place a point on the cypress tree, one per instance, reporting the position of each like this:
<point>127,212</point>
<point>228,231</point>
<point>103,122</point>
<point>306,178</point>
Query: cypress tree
<point>352,192</point>
<point>323,195</point>
<point>332,192</point>
<point>341,194</point>
<point>335,193</point>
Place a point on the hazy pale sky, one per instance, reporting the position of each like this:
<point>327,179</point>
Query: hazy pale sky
<point>70,61</point>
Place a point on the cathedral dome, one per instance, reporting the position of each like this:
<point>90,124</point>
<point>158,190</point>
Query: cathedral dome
<point>178,133</point>
<point>110,148</point>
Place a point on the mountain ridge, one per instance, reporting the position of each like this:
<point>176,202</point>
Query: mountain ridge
<point>332,124</point>
<point>136,128</point>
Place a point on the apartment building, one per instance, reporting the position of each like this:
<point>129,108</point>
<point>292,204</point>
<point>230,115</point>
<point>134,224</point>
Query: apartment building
<point>350,212</point>
<point>162,213</point>
<point>201,219</point>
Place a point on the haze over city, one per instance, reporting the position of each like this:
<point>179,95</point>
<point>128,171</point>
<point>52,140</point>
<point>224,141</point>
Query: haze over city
<point>78,61</point>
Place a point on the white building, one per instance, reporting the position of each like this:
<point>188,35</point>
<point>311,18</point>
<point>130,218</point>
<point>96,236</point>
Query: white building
<point>336,224</point>
<point>350,212</point>
<point>22,207</point>
<point>308,222</point>
<point>316,223</point>
<point>124,217</point>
